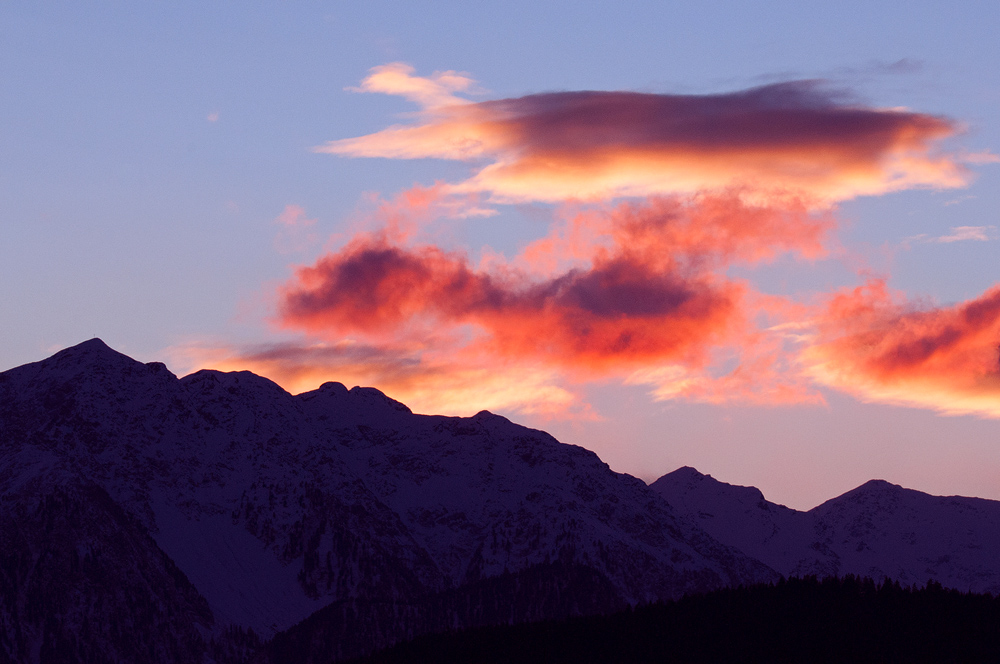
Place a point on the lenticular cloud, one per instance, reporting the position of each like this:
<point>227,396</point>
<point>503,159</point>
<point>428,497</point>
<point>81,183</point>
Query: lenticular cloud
<point>789,137</point>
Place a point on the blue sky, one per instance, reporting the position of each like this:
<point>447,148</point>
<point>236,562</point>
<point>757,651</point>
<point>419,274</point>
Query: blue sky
<point>146,152</point>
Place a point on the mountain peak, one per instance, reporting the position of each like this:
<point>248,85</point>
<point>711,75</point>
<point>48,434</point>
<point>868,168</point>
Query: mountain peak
<point>879,484</point>
<point>92,345</point>
<point>689,472</point>
<point>685,476</point>
<point>85,357</point>
<point>333,387</point>
<point>373,397</point>
<point>875,488</point>
<point>90,363</point>
<point>687,480</point>
<point>876,494</point>
<point>91,349</point>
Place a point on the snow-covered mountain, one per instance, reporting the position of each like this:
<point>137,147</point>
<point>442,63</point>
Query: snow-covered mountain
<point>878,530</point>
<point>228,504</point>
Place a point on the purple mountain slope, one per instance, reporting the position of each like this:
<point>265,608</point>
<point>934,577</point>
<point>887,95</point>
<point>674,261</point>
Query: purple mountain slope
<point>878,529</point>
<point>270,506</point>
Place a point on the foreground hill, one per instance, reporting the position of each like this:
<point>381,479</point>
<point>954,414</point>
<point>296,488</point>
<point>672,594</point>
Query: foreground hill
<point>798,620</point>
<point>151,518</point>
<point>878,530</point>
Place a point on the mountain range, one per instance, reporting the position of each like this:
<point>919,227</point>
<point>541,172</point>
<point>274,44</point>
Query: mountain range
<point>218,518</point>
<point>878,530</point>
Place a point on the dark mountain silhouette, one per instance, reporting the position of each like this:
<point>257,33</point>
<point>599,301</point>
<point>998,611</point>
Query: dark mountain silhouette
<point>218,518</point>
<point>796,620</point>
<point>152,519</point>
<point>878,530</point>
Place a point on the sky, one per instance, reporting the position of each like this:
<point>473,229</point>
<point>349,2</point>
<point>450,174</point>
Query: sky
<point>760,240</point>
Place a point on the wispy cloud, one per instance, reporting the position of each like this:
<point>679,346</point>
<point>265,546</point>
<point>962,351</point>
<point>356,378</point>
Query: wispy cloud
<point>957,234</point>
<point>296,232</point>
<point>983,157</point>
<point>434,91</point>
<point>963,233</point>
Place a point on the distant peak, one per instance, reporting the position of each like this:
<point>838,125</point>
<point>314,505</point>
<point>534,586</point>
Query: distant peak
<point>328,392</point>
<point>869,492</point>
<point>91,360</point>
<point>92,348</point>
<point>485,416</point>
<point>212,378</point>
<point>877,485</point>
<point>370,395</point>
<point>95,345</point>
<point>686,473</point>
<point>690,470</point>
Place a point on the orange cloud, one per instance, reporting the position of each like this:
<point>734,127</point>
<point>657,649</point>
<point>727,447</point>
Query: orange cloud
<point>620,310</point>
<point>642,290</point>
<point>645,289</point>
<point>412,213</point>
<point>760,367</point>
<point>637,290</point>
<point>788,138</point>
<point>396,78</point>
<point>714,230</point>
<point>426,381</point>
<point>874,344</point>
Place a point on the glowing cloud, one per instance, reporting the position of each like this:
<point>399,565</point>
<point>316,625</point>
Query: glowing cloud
<point>635,290</point>
<point>618,311</point>
<point>785,138</point>
<point>425,381</point>
<point>396,78</point>
<point>880,348</point>
<point>766,373</point>
<point>648,290</point>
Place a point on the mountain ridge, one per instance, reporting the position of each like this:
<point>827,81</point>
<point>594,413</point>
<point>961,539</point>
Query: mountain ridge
<point>275,505</point>
<point>338,521</point>
<point>878,529</point>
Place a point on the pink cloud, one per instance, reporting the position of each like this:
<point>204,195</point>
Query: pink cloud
<point>646,291</point>
<point>427,381</point>
<point>785,138</point>
<point>874,344</point>
<point>963,233</point>
<point>434,91</point>
<point>637,290</point>
<point>295,232</point>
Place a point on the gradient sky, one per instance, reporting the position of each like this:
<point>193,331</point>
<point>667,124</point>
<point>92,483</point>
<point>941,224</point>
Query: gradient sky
<point>758,240</point>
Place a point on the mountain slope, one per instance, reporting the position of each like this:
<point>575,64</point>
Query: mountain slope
<point>878,530</point>
<point>273,505</point>
<point>82,581</point>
